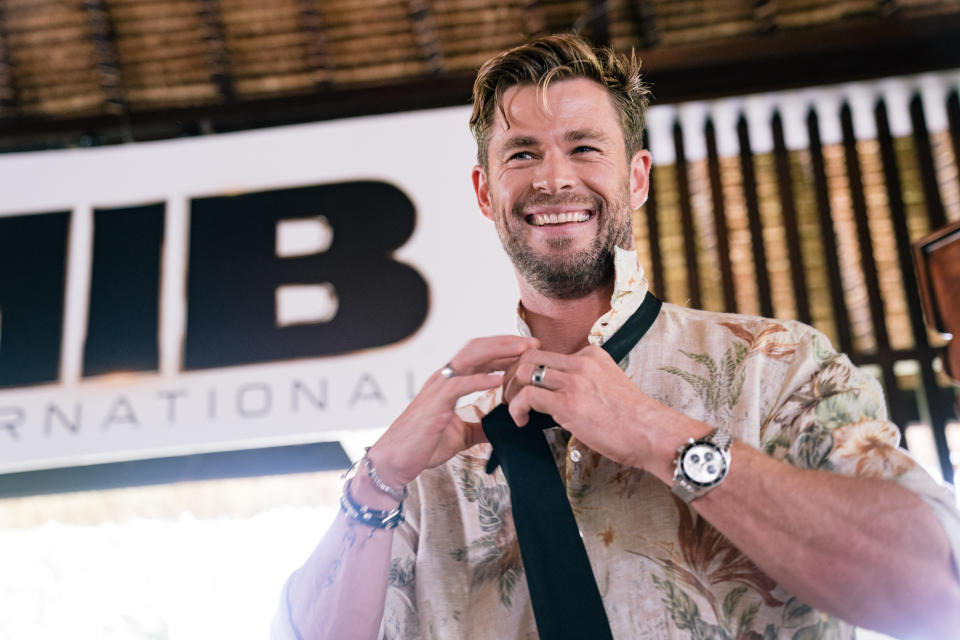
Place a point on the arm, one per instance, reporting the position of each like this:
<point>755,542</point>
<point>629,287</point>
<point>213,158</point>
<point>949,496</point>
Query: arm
<point>340,590</point>
<point>865,549</point>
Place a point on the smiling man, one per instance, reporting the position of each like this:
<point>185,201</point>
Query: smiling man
<point>729,476</point>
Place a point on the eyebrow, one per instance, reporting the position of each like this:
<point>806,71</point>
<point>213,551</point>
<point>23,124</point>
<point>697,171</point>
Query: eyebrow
<point>517,142</point>
<point>577,135</point>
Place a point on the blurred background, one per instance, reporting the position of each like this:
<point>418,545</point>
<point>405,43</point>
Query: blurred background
<point>800,147</point>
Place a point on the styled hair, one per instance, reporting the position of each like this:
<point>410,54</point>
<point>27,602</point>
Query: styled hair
<point>559,57</point>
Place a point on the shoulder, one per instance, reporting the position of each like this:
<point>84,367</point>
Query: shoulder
<point>708,331</point>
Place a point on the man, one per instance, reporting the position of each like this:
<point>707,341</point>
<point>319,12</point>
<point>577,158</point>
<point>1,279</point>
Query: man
<point>819,522</point>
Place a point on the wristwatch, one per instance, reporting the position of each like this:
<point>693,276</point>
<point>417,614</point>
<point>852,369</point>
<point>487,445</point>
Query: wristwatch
<point>701,465</point>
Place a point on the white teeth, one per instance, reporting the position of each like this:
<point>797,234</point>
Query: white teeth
<point>541,219</point>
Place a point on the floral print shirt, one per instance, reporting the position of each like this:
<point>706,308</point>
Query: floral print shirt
<point>662,570</point>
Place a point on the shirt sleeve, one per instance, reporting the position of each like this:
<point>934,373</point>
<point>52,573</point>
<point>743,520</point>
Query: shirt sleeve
<point>280,626</point>
<point>836,420</point>
<point>400,615</point>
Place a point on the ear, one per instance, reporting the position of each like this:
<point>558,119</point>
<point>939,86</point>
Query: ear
<point>482,190</point>
<point>639,178</point>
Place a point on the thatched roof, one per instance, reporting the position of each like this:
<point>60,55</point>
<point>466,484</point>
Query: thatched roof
<point>93,63</point>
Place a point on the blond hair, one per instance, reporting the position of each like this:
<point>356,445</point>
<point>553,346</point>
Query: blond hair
<point>559,57</point>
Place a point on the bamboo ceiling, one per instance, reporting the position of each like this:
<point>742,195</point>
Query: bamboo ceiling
<point>66,60</point>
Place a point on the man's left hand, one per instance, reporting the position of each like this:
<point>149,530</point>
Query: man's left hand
<point>590,396</point>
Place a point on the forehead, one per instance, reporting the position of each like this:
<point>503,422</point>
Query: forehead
<point>566,105</point>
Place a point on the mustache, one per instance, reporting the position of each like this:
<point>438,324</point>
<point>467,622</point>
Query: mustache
<point>563,200</point>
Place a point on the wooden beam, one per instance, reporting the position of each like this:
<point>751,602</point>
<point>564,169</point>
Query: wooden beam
<point>828,237</point>
<point>108,61</point>
<point>813,57</point>
<point>798,273</point>
<point>534,22</point>
<point>686,217</point>
<point>750,64</point>
<point>646,18</point>
<point>720,219</point>
<point>888,8</point>
<point>312,23</point>
<point>9,96</point>
<point>599,22</point>
<point>752,199</point>
<point>426,36</point>
<point>220,68</point>
<point>765,15</point>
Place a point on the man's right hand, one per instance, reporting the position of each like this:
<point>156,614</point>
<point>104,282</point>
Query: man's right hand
<point>429,432</point>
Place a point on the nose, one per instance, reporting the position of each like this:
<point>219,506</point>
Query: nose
<point>554,174</point>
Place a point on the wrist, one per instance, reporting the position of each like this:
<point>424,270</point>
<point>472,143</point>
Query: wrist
<point>387,471</point>
<point>366,492</point>
<point>678,429</point>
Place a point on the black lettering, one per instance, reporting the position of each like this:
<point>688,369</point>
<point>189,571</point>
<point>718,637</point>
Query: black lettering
<point>171,398</point>
<point>319,401</point>
<point>266,400</point>
<point>32,272</point>
<point>124,291</point>
<point>121,412</point>
<point>367,389</point>
<point>234,274</point>
<point>53,411</point>
<point>18,415</point>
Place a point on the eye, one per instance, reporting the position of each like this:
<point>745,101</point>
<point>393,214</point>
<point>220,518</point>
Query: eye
<point>521,155</point>
<point>585,149</point>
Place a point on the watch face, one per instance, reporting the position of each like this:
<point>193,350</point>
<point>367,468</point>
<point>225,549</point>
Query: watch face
<point>703,464</point>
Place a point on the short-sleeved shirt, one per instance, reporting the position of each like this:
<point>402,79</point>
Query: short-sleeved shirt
<point>662,570</point>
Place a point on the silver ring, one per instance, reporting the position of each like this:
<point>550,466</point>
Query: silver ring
<point>447,371</point>
<point>538,375</point>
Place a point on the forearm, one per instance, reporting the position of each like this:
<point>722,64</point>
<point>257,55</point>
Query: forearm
<point>340,590</point>
<point>864,549</point>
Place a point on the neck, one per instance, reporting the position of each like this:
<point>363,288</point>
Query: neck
<point>562,326</point>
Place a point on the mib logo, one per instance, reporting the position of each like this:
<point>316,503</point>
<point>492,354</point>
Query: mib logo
<point>238,273</point>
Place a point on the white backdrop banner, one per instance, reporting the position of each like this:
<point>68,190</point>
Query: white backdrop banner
<point>261,288</point>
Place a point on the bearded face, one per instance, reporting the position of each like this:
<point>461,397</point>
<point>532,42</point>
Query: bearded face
<point>559,185</point>
<point>560,270</point>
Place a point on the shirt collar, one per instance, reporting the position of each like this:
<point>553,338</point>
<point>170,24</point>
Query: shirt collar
<point>629,289</point>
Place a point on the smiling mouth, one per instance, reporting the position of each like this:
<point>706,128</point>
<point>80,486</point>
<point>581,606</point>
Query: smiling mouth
<point>542,219</point>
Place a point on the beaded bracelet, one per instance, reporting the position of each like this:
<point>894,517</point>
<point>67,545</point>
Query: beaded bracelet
<point>396,494</point>
<point>375,518</point>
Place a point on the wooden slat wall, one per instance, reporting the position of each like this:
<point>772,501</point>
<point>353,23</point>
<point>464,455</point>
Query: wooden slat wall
<point>816,200</point>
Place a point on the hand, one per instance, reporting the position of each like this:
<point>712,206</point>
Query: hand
<point>429,432</point>
<point>590,396</point>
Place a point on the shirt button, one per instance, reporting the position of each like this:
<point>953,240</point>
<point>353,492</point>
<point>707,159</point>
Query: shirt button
<point>575,455</point>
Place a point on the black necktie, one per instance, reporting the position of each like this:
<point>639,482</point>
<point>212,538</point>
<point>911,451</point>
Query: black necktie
<point>563,592</point>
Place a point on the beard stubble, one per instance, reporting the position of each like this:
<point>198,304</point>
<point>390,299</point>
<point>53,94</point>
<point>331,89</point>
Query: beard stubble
<point>559,274</point>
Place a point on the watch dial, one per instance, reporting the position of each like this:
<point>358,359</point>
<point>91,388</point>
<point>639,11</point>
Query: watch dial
<point>703,464</point>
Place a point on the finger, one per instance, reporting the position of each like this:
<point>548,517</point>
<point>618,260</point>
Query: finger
<point>595,353</point>
<point>552,379</point>
<point>521,374</point>
<point>530,399</point>
<point>490,353</point>
<point>459,386</point>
